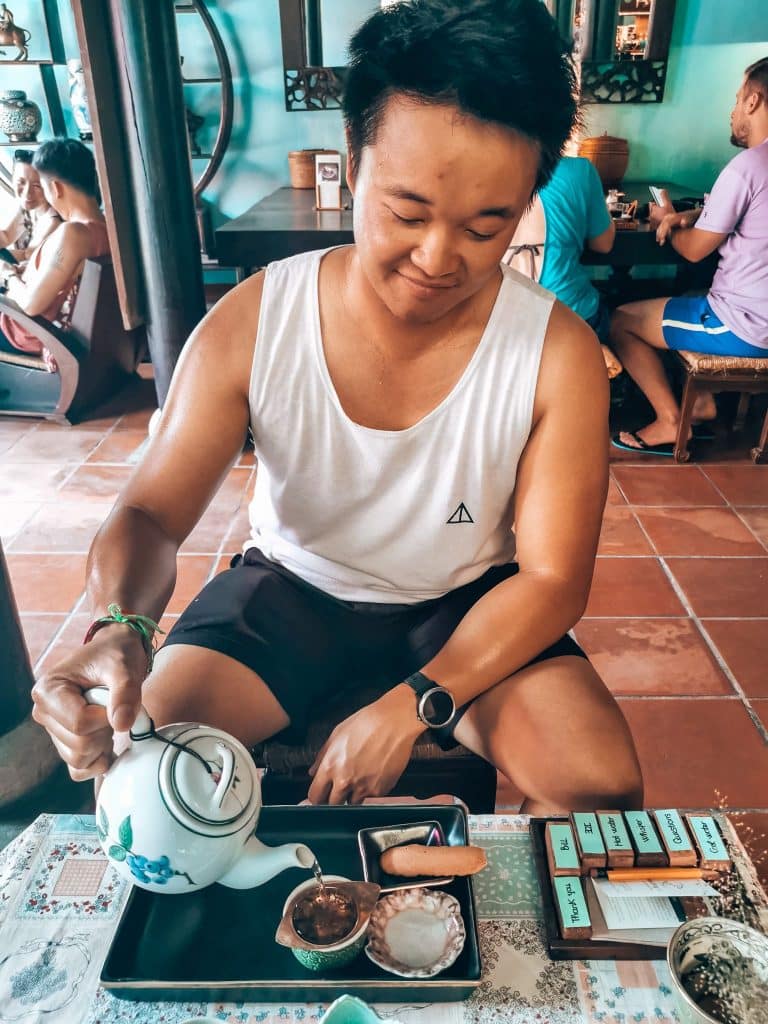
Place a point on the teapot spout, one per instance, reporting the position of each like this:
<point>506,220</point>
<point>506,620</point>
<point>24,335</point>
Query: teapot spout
<point>258,863</point>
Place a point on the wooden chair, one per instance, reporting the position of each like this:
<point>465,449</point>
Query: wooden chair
<point>721,373</point>
<point>430,772</point>
<point>95,354</point>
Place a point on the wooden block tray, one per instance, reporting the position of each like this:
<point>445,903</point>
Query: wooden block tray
<point>577,949</point>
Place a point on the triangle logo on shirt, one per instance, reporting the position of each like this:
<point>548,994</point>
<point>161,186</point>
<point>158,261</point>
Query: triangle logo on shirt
<point>461,515</point>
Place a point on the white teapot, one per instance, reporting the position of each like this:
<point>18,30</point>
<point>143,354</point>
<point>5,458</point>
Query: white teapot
<point>177,810</point>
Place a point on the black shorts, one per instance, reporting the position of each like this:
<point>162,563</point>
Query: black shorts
<point>313,650</point>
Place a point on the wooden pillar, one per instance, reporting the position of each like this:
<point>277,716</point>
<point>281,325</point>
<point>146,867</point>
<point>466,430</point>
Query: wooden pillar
<point>605,30</point>
<point>15,670</point>
<point>27,756</point>
<point>155,122</point>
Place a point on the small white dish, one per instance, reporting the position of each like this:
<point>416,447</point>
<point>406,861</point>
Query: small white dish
<point>415,933</point>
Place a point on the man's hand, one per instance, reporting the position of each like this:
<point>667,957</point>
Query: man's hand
<point>82,733</point>
<point>657,212</point>
<point>671,222</point>
<point>367,753</point>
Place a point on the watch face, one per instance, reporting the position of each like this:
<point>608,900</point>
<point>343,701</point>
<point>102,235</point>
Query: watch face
<point>437,707</point>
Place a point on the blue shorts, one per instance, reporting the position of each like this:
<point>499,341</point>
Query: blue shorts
<point>690,323</point>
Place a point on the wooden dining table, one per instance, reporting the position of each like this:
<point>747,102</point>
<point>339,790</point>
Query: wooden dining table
<point>286,222</point>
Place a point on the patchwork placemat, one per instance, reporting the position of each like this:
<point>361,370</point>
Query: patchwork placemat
<point>60,902</point>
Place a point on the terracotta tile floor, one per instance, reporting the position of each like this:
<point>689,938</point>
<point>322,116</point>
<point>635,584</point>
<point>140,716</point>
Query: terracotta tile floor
<point>677,622</point>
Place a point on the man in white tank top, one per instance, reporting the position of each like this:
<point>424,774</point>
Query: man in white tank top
<point>410,402</point>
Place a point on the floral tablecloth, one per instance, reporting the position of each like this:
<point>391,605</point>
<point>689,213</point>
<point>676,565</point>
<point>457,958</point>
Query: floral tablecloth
<point>60,902</point>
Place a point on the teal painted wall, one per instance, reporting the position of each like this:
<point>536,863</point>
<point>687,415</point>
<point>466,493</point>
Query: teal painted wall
<point>684,139</point>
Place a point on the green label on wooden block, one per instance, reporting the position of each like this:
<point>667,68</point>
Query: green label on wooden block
<point>673,829</point>
<point>570,897</point>
<point>614,832</point>
<point>708,836</point>
<point>563,847</point>
<point>643,832</point>
<point>588,832</point>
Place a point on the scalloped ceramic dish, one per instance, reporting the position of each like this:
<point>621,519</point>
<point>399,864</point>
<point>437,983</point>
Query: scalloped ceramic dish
<point>415,933</point>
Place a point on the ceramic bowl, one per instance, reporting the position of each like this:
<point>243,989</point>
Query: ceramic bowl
<point>325,958</point>
<point>416,933</point>
<point>734,951</point>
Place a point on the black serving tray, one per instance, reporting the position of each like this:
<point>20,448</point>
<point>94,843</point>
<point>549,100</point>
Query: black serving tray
<point>218,944</point>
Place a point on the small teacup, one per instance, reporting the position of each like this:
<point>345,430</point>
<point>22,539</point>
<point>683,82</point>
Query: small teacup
<point>318,957</point>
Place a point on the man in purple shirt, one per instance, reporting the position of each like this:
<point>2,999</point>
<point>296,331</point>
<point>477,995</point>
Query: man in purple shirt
<point>732,319</point>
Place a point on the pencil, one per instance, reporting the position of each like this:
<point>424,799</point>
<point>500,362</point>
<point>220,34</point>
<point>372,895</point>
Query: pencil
<point>647,874</point>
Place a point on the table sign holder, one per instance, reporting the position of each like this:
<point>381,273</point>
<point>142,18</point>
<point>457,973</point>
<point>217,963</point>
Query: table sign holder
<point>328,181</point>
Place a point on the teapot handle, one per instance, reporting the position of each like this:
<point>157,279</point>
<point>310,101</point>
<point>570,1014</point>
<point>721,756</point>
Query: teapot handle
<point>100,695</point>
<point>227,773</point>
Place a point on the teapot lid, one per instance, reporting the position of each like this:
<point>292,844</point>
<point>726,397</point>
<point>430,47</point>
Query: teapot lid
<point>208,781</point>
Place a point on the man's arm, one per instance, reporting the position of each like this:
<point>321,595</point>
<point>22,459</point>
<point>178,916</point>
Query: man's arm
<point>60,260</point>
<point>201,432</point>
<point>560,493</point>
<point>559,498</point>
<point>132,561</point>
<point>691,242</point>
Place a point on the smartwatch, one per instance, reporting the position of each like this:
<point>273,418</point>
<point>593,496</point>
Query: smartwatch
<point>435,706</point>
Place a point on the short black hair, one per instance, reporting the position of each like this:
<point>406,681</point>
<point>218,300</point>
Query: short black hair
<point>502,61</point>
<point>69,161</point>
<point>22,156</point>
<point>756,78</point>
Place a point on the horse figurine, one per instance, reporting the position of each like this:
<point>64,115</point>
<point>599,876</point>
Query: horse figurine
<point>12,34</point>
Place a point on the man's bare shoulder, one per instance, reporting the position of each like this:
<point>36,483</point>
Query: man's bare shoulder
<point>224,340</point>
<point>235,317</point>
<point>571,363</point>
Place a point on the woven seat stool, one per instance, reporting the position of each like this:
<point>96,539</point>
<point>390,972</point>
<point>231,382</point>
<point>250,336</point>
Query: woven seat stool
<point>721,373</point>
<point>431,771</point>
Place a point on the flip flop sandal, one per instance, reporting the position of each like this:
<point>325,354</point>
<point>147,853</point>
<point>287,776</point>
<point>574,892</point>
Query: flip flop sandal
<point>642,448</point>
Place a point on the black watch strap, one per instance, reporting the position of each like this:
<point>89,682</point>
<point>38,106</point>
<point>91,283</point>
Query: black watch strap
<point>420,683</point>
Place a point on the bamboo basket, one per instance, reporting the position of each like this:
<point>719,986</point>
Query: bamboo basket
<point>609,154</point>
<point>301,164</point>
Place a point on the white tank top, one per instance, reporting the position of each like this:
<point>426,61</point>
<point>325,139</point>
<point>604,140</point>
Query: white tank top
<point>388,516</point>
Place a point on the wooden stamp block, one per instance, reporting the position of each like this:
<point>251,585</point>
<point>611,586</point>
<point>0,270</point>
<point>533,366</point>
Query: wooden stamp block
<point>561,849</point>
<point>674,836</point>
<point>572,913</point>
<point>713,854</point>
<point>589,842</point>
<point>617,843</point>
<point>649,852</point>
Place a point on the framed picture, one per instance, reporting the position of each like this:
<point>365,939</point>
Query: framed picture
<point>328,181</point>
<point>635,6</point>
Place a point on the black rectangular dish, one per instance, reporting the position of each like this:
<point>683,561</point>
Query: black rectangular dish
<point>218,944</point>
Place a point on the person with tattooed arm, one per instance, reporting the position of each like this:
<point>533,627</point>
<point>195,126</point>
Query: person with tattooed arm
<point>48,283</point>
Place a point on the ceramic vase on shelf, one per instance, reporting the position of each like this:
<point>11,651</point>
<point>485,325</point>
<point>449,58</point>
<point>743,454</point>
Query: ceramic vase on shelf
<point>20,118</point>
<point>79,99</point>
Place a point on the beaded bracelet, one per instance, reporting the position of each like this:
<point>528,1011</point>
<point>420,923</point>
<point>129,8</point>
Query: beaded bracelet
<point>141,624</point>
